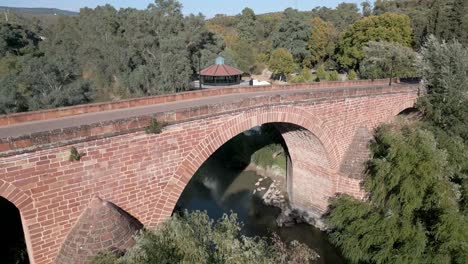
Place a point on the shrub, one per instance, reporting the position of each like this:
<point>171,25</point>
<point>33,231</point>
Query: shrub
<point>155,127</point>
<point>321,73</point>
<point>333,76</point>
<point>352,75</point>
<point>195,238</point>
<point>74,155</point>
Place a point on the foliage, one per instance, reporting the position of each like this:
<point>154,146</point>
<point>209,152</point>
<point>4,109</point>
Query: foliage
<point>304,77</point>
<point>194,238</point>
<point>417,180</point>
<point>282,62</point>
<point>74,155</point>
<point>352,75</point>
<point>387,27</point>
<point>445,71</point>
<point>270,155</point>
<point>155,127</point>
<point>341,17</point>
<point>412,215</point>
<point>321,74</point>
<point>293,35</point>
<point>333,76</point>
<point>246,26</point>
<point>322,41</point>
<point>388,60</point>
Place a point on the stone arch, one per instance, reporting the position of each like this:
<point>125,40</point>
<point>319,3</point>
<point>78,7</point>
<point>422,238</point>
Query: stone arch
<point>238,124</point>
<point>24,203</point>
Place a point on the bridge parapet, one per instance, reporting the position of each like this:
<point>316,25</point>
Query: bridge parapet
<point>13,142</point>
<point>17,118</point>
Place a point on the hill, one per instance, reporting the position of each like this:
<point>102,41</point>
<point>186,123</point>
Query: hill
<point>38,11</point>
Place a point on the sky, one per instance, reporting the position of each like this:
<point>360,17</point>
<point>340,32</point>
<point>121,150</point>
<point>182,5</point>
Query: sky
<point>207,7</point>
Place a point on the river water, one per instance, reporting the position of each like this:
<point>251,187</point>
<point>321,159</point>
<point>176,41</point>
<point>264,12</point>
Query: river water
<point>218,189</point>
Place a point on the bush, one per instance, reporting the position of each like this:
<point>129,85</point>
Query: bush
<point>155,127</point>
<point>333,76</point>
<point>74,155</point>
<point>321,73</point>
<point>195,238</point>
<point>352,75</point>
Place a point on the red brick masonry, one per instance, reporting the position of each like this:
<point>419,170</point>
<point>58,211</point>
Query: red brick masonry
<point>144,174</point>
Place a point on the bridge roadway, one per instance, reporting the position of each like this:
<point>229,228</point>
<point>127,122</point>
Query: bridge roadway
<point>22,129</point>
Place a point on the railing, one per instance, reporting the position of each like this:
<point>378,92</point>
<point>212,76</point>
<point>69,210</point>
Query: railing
<point>17,118</point>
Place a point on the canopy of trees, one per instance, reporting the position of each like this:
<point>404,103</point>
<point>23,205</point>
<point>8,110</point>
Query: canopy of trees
<point>386,27</point>
<point>109,54</point>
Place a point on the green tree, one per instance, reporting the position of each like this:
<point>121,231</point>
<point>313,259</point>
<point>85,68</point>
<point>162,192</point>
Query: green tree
<point>366,8</point>
<point>322,74</point>
<point>386,27</point>
<point>333,76</point>
<point>293,34</point>
<point>341,17</point>
<point>412,215</point>
<point>322,41</point>
<point>389,60</point>
<point>281,62</point>
<point>352,75</point>
<point>246,26</point>
<point>194,238</point>
<point>445,67</point>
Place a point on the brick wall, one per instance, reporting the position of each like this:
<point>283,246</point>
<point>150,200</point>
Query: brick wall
<point>144,174</point>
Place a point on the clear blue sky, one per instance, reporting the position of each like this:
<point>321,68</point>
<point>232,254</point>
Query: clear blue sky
<point>208,7</point>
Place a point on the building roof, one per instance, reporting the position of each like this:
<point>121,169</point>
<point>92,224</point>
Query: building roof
<point>220,70</point>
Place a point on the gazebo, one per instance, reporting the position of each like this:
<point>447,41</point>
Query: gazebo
<point>220,74</point>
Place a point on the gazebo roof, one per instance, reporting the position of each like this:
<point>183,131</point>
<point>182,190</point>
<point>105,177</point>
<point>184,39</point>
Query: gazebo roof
<point>220,70</point>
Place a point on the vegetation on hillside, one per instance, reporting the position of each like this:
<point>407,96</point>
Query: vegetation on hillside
<point>109,54</point>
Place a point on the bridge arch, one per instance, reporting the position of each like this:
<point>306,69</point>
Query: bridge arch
<point>23,203</point>
<point>312,125</point>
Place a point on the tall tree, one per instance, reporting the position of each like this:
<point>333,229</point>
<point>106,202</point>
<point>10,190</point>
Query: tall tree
<point>389,60</point>
<point>322,41</point>
<point>293,34</point>
<point>387,27</point>
<point>246,27</point>
<point>282,62</point>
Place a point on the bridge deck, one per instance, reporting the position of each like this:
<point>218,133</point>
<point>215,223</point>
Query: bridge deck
<point>27,128</point>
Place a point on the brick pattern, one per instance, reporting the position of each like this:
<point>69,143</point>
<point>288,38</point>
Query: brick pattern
<point>144,174</point>
<point>102,226</point>
<point>357,155</point>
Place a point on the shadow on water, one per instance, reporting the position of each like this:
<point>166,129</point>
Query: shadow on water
<point>221,187</point>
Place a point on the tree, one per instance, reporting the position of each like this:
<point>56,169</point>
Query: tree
<point>194,238</point>
<point>244,56</point>
<point>445,67</point>
<point>386,27</point>
<point>341,17</point>
<point>352,75</point>
<point>246,26</point>
<point>282,62</point>
<point>389,60</point>
<point>412,215</point>
<point>293,34</point>
<point>322,74</point>
<point>322,41</point>
<point>366,8</point>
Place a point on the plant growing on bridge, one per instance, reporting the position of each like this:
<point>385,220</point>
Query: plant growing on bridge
<point>155,127</point>
<point>74,155</point>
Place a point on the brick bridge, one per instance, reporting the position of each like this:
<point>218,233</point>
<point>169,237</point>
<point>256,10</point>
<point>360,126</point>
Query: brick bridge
<point>139,176</point>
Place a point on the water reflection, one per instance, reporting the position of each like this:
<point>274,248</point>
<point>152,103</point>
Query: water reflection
<point>220,190</point>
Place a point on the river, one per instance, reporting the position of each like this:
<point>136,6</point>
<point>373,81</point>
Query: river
<point>218,189</point>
